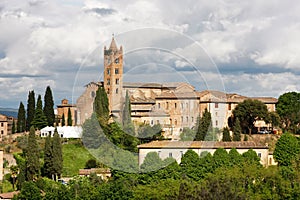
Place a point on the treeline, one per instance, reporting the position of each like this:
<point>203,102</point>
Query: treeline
<point>36,115</point>
<point>219,176</point>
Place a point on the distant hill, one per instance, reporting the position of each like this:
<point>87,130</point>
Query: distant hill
<point>11,112</point>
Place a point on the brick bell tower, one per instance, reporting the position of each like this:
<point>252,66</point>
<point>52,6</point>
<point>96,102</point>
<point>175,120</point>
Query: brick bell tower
<point>113,76</point>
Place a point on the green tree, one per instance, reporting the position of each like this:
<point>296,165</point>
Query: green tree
<point>234,157</point>
<point>288,108</point>
<point>221,158</point>
<point>237,130</point>
<point>152,162</point>
<point>29,191</point>
<point>128,126</point>
<point>32,156</point>
<point>226,135</point>
<point>189,164</point>
<point>286,150</point>
<point>13,129</point>
<point>147,133</point>
<point>248,112</point>
<point>91,163</point>
<point>63,120</point>
<point>250,157</point>
<point>203,125</point>
<point>187,134</point>
<point>92,133</point>
<point>30,109</point>
<point>49,106</point>
<point>70,122</point>
<point>101,106</point>
<point>21,123</point>
<point>48,157</point>
<point>57,158</point>
<point>39,121</point>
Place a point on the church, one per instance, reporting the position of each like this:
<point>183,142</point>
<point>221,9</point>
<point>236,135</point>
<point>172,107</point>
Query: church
<point>173,105</point>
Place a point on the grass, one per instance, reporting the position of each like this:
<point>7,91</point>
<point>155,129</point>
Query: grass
<point>74,158</point>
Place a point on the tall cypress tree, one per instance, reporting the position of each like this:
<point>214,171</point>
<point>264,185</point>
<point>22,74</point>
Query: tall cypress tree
<point>226,135</point>
<point>63,121</point>
<point>30,109</point>
<point>40,120</point>
<point>21,123</point>
<point>32,157</point>
<point>126,116</point>
<point>101,106</point>
<point>204,126</point>
<point>57,159</point>
<point>49,106</point>
<point>70,121</point>
<point>48,157</point>
<point>237,130</point>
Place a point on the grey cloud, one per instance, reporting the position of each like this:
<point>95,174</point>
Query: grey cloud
<point>102,11</point>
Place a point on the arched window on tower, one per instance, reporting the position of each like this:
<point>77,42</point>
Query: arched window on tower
<point>117,90</point>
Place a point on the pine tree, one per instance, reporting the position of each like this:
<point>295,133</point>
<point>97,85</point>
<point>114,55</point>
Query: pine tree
<point>57,159</point>
<point>32,157</point>
<point>237,130</point>
<point>126,116</point>
<point>204,125</point>
<point>226,135</point>
<point>49,106</point>
<point>48,157</point>
<point>69,117</point>
<point>101,106</point>
<point>21,123</point>
<point>63,120</point>
<point>40,120</point>
<point>30,109</point>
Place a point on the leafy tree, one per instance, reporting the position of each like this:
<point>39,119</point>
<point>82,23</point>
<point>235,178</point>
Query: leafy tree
<point>226,135</point>
<point>189,164</point>
<point>91,163</point>
<point>274,119</point>
<point>30,109</point>
<point>203,125</point>
<point>147,133</point>
<point>234,157</point>
<point>32,156</point>
<point>48,157</point>
<point>70,122</point>
<point>187,134</point>
<point>288,108</point>
<point>29,191</point>
<point>221,158</point>
<point>101,106</point>
<point>57,158</point>
<point>245,138</point>
<point>21,123</point>
<point>49,106</point>
<point>286,150</point>
<point>63,120</point>
<point>248,112</point>
<point>237,130</point>
<point>91,133</point>
<point>152,162</point>
<point>39,121</point>
<point>251,157</point>
<point>126,116</point>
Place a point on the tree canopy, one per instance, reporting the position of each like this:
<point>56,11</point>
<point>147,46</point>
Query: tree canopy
<point>39,121</point>
<point>49,106</point>
<point>21,123</point>
<point>30,109</point>
<point>203,126</point>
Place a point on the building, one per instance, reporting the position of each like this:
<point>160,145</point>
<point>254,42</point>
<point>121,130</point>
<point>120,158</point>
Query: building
<point>6,124</point>
<point>1,165</point>
<point>63,109</point>
<point>176,149</point>
<point>63,131</point>
<point>173,105</point>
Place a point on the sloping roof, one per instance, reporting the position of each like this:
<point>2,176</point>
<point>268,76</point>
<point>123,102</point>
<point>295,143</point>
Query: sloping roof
<point>170,85</point>
<point>113,45</point>
<point>202,145</point>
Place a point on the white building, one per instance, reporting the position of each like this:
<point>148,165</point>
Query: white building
<point>64,131</point>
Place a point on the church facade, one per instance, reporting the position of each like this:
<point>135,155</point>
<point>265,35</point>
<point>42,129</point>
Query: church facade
<point>173,105</point>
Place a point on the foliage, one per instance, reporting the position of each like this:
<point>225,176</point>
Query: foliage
<point>248,112</point>
<point>221,158</point>
<point>57,157</point>
<point>287,149</point>
<point>13,128</point>
<point>32,157</point>
<point>39,121</point>
<point>21,123</point>
<point>30,109</point>
<point>226,135</point>
<point>288,108</point>
<point>251,157</point>
<point>63,120</point>
<point>48,157</point>
<point>49,106</point>
<point>237,130</point>
<point>101,106</point>
<point>91,163</point>
<point>70,122</point>
<point>92,133</point>
<point>187,134</point>
<point>203,125</point>
<point>152,162</point>
<point>147,133</point>
<point>128,127</point>
<point>30,191</point>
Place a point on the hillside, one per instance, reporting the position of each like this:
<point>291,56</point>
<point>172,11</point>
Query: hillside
<point>11,112</point>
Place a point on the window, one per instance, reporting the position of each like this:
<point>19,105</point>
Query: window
<point>229,106</point>
<point>151,122</point>
<point>181,118</point>
<point>175,122</point>
<point>2,132</point>
<point>216,122</point>
<point>192,119</point>
<point>108,81</point>
<point>2,124</point>
<point>259,154</point>
<point>170,155</point>
<point>216,114</point>
<point>117,90</point>
<point>108,91</point>
<point>181,153</point>
<point>116,71</point>
<point>270,161</point>
<point>117,81</point>
<point>167,106</point>
<point>216,105</point>
<point>175,105</point>
<point>117,60</point>
<point>108,71</point>
<point>93,94</point>
<point>187,119</point>
<point>159,105</point>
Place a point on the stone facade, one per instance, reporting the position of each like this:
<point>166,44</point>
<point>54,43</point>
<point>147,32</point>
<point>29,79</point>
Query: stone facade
<point>5,125</point>
<point>63,109</point>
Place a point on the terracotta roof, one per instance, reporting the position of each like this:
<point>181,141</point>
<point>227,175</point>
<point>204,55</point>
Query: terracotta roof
<point>177,95</point>
<point>170,85</point>
<point>201,145</point>
<point>9,195</point>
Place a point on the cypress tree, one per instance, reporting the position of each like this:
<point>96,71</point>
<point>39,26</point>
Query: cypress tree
<point>13,129</point>
<point>40,120</point>
<point>204,125</point>
<point>49,106</point>
<point>21,123</point>
<point>63,121</point>
<point>237,130</point>
<point>101,106</point>
<point>226,135</point>
<point>57,159</point>
<point>69,117</point>
<point>32,156</point>
<point>48,159</point>
<point>30,109</point>
<point>126,116</point>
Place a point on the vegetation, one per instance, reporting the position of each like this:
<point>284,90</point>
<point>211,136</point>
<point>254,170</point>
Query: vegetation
<point>49,106</point>
<point>30,109</point>
<point>32,156</point>
<point>21,123</point>
<point>226,135</point>
<point>70,121</point>
<point>203,126</point>
<point>101,106</point>
<point>57,157</point>
<point>63,120</point>
<point>39,121</point>
<point>128,126</point>
<point>237,130</point>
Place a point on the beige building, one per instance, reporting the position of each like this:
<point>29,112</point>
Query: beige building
<point>176,149</point>
<point>63,109</point>
<point>173,105</point>
<point>5,125</point>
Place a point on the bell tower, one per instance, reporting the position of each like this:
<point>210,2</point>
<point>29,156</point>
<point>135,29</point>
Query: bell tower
<point>113,75</point>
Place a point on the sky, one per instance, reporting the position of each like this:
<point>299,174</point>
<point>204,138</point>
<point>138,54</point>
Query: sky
<point>245,47</point>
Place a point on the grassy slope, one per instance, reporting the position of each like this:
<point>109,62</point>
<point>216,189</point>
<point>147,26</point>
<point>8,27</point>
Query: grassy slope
<point>74,158</point>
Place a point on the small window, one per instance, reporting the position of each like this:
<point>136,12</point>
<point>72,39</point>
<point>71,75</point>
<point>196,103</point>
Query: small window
<point>2,124</point>
<point>259,154</point>
<point>216,114</point>
<point>170,155</point>
<point>175,122</point>
<point>108,91</point>
<point>175,105</point>
<point>167,105</point>
<point>229,106</point>
<point>159,105</point>
<point>93,94</point>
<point>117,90</point>
<point>117,60</point>
<point>116,71</point>
<point>2,132</point>
<point>187,119</point>
<point>192,119</point>
<point>108,71</point>
<point>151,122</point>
<point>108,81</point>
<point>117,81</point>
<point>216,122</point>
<point>216,105</point>
<point>181,118</point>
<point>181,153</point>
<point>270,161</point>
